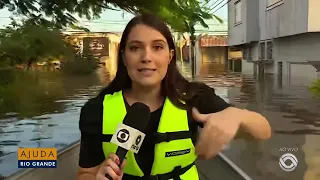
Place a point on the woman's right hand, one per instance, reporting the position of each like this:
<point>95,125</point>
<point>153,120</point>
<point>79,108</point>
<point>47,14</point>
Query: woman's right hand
<point>111,166</point>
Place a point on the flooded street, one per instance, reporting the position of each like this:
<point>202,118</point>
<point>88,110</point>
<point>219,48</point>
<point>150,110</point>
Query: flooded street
<point>294,115</point>
<point>50,122</point>
<point>292,111</point>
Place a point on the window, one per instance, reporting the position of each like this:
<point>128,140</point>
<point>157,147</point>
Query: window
<point>250,53</point>
<point>280,68</point>
<point>247,53</point>
<point>269,50</point>
<point>244,53</point>
<point>262,47</point>
<point>274,3</point>
<point>237,13</point>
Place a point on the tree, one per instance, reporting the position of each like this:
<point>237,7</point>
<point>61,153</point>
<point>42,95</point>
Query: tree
<point>315,88</point>
<point>27,42</point>
<point>178,13</point>
<point>181,15</point>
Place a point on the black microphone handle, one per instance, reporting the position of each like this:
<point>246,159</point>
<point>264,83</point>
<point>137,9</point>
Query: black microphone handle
<point>121,153</point>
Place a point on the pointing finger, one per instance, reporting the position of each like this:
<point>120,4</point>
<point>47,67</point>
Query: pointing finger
<point>198,116</point>
<point>202,144</point>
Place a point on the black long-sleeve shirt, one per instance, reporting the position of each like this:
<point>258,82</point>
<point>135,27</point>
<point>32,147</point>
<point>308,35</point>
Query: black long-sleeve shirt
<point>91,152</point>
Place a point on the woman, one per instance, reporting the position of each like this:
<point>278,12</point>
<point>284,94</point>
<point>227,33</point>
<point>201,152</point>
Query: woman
<point>147,73</point>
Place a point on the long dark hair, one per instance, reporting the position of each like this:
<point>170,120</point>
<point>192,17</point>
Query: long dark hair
<point>174,85</point>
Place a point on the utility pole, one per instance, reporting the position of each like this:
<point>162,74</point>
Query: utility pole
<point>192,44</point>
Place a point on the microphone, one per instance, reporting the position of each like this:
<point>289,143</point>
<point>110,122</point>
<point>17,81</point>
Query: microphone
<point>130,133</point>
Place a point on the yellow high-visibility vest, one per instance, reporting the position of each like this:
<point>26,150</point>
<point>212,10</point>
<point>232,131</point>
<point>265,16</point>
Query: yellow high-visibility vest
<point>174,155</point>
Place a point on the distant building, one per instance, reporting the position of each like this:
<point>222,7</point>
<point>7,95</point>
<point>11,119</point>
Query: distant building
<point>214,49</point>
<point>103,45</point>
<point>211,45</point>
<point>99,44</point>
<point>281,37</point>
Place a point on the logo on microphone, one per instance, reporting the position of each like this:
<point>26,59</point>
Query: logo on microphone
<point>292,162</point>
<point>123,135</point>
<point>128,138</point>
<point>136,146</point>
<point>138,140</point>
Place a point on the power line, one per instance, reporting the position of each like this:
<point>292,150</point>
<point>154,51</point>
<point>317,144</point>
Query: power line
<point>217,5</point>
<point>105,20</point>
<point>213,3</point>
<point>203,5</point>
<point>120,23</point>
<point>80,20</point>
<point>86,21</point>
<point>222,6</point>
<point>243,5</point>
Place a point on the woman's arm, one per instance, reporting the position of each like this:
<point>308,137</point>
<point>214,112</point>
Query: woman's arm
<point>90,158</point>
<point>251,123</point>
<point>87,173</point>
<point>91,153</point>
<point>221,127</point>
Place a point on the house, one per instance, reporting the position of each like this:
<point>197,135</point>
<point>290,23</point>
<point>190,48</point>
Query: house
<point>280,37</point>
<point>210,45</point>
<point>103,45</point>
<point>214,49</point>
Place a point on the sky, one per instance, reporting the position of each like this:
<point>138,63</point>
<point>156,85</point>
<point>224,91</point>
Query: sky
<point>114,21</point>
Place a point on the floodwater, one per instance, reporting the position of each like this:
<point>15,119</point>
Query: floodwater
<point>47,116</point>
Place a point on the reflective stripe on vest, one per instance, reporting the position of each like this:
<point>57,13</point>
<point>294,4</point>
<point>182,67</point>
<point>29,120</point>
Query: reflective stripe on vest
<point>168,155</point>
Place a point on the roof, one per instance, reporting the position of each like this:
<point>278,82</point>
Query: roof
<point>315,64</point>
<point>213,41</point>
<point>90,33</point>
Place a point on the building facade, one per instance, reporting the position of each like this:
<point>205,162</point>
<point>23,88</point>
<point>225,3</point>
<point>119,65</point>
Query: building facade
<point>103,45</point>
<point>280,37</point>
<point>211,45</point>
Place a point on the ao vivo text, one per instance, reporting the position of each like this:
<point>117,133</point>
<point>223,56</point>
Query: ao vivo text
<point>288,149</point>
<point>37,158</point>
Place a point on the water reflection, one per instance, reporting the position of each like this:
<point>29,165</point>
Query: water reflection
<point>294,117</point>
<point>293,114</point>
<point>41,109</point>
<point>52,121</point>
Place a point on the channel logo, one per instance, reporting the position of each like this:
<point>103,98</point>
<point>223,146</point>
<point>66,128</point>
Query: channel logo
<point>37,158</point>
<point>128,138</point>
<point>288,162</point>
<point>123,135</point>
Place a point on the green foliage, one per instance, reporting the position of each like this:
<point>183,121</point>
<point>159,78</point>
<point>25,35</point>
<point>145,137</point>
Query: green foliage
<point>80,65</point>
<point>315,88</point>
<point>30,41</point>
<point>178,13</point>
<point>7,76</point>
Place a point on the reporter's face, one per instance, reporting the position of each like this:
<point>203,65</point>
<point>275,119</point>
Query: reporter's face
<point>146,56</point>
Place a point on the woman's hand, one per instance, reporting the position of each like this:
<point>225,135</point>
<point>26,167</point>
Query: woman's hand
<point>221,127</point>
<point>111,166</point>
<point>218,130</point>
